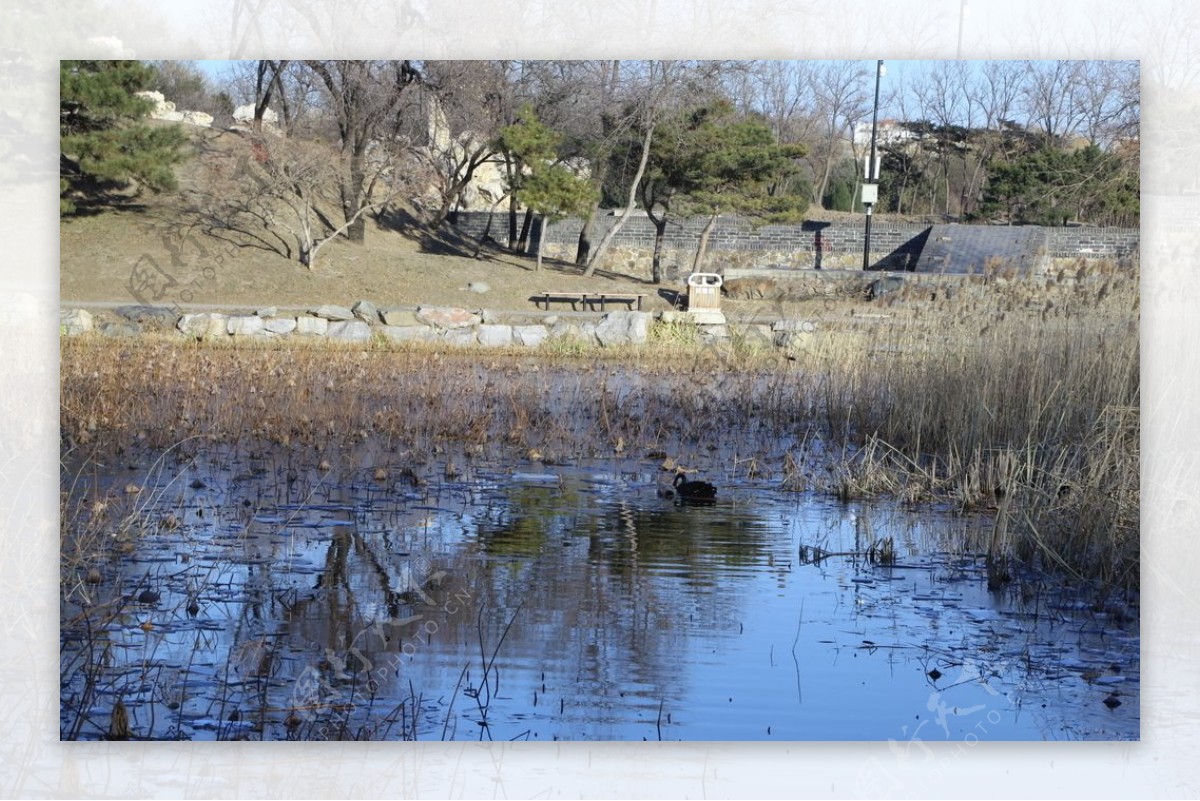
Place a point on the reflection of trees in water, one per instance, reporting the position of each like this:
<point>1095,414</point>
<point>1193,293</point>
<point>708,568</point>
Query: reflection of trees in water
<point>612,590</point>
<point>408,595</point>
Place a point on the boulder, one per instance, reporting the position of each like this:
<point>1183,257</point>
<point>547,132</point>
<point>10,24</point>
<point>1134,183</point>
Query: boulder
<point>267,311</point>
<point>349,331</point>
<point>74,322</point>
<point>447,317</point>
<point>398,317</point>
<point>884,286</point>
<point>790,340</point>
<point>206,325</point>
<point>198,118</point>
<point>154,318</point>
<point>365,310</point>
<point>163,109</point>
<point>245,114</point>
<point>459,336</point>
<point>245,326</point>
<point>279,325</point>
<point>153,97</point>
<point>582,332</point>
<point>757,335</point>
<point>312,326</point>
<point>707,316</point>
<point>120,329</point>
<point>409,333</point>
<point>530,335</point>
<point>623,328</point>
<point>495,336</point>
<point>332,313</point>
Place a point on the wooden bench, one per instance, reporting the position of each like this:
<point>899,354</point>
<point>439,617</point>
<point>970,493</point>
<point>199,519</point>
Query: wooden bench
<point>631,299</point>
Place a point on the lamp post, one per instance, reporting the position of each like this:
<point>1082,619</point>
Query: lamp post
<point>870,190</point>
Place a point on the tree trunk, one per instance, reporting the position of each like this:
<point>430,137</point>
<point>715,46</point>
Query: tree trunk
<point>513,206</point>
<point>609,76</point>
<point>629,205</point>
<point>353,202</point>
<point>584,248</point>
<point>702,248</point>
<point>541,244</point>
<point>660,230</point>
<point>510,176</point>
<point>523,239</point>
<point>487,230</point>
<point>263,88</point>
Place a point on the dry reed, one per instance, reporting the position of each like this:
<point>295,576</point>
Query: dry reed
<point>999,389</point>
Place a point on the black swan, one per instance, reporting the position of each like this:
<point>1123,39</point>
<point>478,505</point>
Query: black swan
<point>694,490</point>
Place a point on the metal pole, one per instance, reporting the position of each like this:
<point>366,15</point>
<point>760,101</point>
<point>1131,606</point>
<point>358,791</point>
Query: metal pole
<point>871,176</point>
<point>867,241</point>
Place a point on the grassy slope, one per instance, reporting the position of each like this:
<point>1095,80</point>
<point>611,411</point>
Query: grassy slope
<point>393,268</point>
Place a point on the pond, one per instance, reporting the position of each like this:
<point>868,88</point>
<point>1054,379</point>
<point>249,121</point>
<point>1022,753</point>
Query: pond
<point>241,594</point>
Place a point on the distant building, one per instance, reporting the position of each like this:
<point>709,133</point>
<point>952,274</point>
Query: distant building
<point>888,132</point>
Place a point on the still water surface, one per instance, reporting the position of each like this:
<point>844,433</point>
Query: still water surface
<point>568,602</point>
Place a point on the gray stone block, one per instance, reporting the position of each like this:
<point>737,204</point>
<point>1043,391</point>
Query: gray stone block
<point>74,322</point>
<point>245,326</point>
<point>409,333</point>
<point>349,331</point>
<point>312,326</point>
<point>495,336</point>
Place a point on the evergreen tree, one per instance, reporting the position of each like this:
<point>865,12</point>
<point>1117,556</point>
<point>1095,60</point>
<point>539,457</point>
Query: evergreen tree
<point>105,143</point>
<point>1051,186</point>
<point>711,161</point>
<point>542,182</point>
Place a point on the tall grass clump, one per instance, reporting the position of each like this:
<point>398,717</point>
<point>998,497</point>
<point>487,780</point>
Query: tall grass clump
<point>1011,404</point>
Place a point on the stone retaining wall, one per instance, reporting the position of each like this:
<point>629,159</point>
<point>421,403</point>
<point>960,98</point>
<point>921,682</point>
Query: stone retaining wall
<point>813,244</point>
<point>1092,243</point>
<point>363,323</point>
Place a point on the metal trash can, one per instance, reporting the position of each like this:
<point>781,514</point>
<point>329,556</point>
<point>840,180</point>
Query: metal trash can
<point>704,291</point>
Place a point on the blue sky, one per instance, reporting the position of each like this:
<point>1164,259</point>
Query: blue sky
<point>898,71</point>
<point>900,75</point>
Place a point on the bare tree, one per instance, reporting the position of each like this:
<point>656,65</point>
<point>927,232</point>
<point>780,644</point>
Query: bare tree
<point>465,104</point>
<point>657,88</point>
<point>363,98</point>
<point>992,96</point>
<point>944,99</point>
<point>276,194</point>
<point>840,91</point>
<point>1050,95</point>
<point>1110,99</point>
<point>267,76</point>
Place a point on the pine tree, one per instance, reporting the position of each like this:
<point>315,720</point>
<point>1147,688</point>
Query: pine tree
<point>105,143</point>
<point>541,182</point>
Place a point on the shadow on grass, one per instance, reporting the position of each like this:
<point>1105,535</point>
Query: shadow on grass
<point>450,241</point>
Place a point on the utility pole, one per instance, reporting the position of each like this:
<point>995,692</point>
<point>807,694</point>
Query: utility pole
<point>870,190</point>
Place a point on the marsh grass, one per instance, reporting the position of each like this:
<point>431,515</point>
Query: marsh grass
<point>994,390</point>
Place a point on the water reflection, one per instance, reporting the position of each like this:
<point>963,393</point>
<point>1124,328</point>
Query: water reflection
<point>565,602</point>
